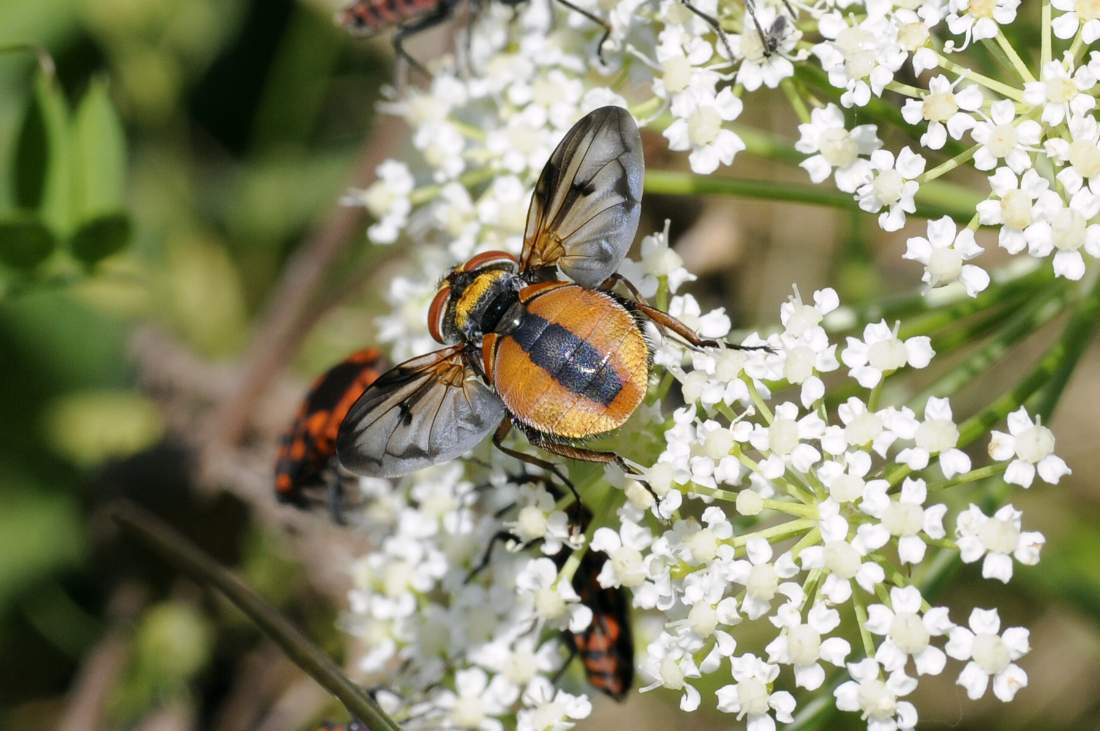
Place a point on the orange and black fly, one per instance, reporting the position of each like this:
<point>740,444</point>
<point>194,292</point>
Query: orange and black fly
<point>544,342</point>
<point>305,465</point>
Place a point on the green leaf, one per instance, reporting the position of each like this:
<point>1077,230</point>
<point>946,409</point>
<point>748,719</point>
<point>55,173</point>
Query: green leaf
<point>99,156</point>
<point>24,240</point>
<point>100,237</point>
<point>42,180</point>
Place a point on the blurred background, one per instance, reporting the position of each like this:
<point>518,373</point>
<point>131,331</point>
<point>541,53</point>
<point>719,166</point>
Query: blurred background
<point>212,273</point>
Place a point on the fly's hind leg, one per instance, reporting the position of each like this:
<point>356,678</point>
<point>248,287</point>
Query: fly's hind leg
<point>592,455</point>
<point>666,321</point>
<point>498,442</point>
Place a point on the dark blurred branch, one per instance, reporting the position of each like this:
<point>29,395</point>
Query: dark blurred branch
<point>291,305</point>
<point>163,540</point>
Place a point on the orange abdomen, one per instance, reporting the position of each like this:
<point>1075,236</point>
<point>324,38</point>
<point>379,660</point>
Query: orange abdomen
<point>576,366</point>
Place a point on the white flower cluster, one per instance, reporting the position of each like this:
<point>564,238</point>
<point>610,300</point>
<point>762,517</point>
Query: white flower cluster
<point>481,138</point>
<point>795,515</point>
<point>775,503</point>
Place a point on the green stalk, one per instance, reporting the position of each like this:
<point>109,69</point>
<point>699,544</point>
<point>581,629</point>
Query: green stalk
<point>1014,57</point>
<point>159,538</point>
<point>670,182</point>
<point>971,75</point>
<point>1045,52</point>
<point>1022,323</point>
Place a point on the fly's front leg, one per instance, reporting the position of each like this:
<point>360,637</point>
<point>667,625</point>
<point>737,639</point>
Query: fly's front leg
<point>667,322</point>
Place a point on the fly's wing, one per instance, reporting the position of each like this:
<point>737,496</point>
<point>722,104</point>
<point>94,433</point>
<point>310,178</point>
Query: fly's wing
<point>428,410</point>
<point>586,204</point>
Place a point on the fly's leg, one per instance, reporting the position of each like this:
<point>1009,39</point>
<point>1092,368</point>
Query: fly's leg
<point>713,23</point>
<point>592,455</point>
<point>595,19</point>
<point>565,665</point>
<point>432,19</point>
<point>666,321</point>
<point>487,556</point>
<point>498,442</point>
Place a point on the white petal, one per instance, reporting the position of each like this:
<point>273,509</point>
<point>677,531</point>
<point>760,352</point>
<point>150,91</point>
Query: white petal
<point>930,661</point>
<point>1008,682</point>
<point>1052,469</point>
<point>810,677</point>
<point>974,680</point>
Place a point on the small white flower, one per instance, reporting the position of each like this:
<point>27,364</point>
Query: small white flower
<point>841,558</point>
<point>846,482</point>
<point>893,186</point>
<point>1061,90</point>
<point>669,665</point>
<point>938,435</point>
<point>979,20</point>
<point>877,701</point>
<point>881,352</point>
<point>784,441</point>
<point>945,110</point>
<point>990,655</point>
<point>751,698</point>
<point>999,539</point>
<point>756,68</point>
<point>1002,138</point>
<point>903,519</point>
<point>1075,14</point>
<point>1030,446</point>
<point>537,520</point>
<point>626,564</point>
<point>548,709</point>
<point>1014,208</point>
<point>1080,151</point>
<point>699,127</point>
<point>1065,230</point>
<point>861,59</point>
<point>657,262</point>
<point>907,634</point>
<point>762,578</point>
<point>387,199</point>
<point>545,599</point>
<point>800,644</point>
<point>944,255</point>
<point>475,701</point>
<point>833,147</point>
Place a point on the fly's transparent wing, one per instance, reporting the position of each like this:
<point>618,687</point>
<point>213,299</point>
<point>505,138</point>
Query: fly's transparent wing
<point>586,204</point>
<point>428,410</point>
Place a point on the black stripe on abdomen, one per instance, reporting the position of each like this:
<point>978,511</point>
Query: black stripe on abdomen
<point>572,362</point>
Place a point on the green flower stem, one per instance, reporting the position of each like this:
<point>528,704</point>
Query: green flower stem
<point>1029,318</point>
<point>1006,285</point>
<point>971,75</point>
<point>950,201</point>
<point>757,400</point>
<point>941,315</point>
<point>1078,43</point>
<point>795,99</point>
<point>797,509</point>
<point>471,179</point>
<point>156,536</point>
<point>906,90</point>
<point>1044,33</point>
<point>945,167</point>
<point>1053,370</point>
<point>982,473</point>
<point>810,539</point>
<point>1014,57</point>
<point>569,568</point>
<point>776,532</point>
<point>861,620</point>
<point>647,108</point>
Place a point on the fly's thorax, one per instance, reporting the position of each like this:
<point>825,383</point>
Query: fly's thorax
<point>488,303</point>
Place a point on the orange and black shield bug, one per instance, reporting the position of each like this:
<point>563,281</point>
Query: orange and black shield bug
<point>563,359</point>
<point>305,465</point>
<point>606,647</point>
<point>349,726</point>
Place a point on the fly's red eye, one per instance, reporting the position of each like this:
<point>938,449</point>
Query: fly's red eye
<point>489,258</point>
<point>437,313</point>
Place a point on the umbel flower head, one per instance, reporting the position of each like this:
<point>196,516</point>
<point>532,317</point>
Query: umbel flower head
<point>782,527</point>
